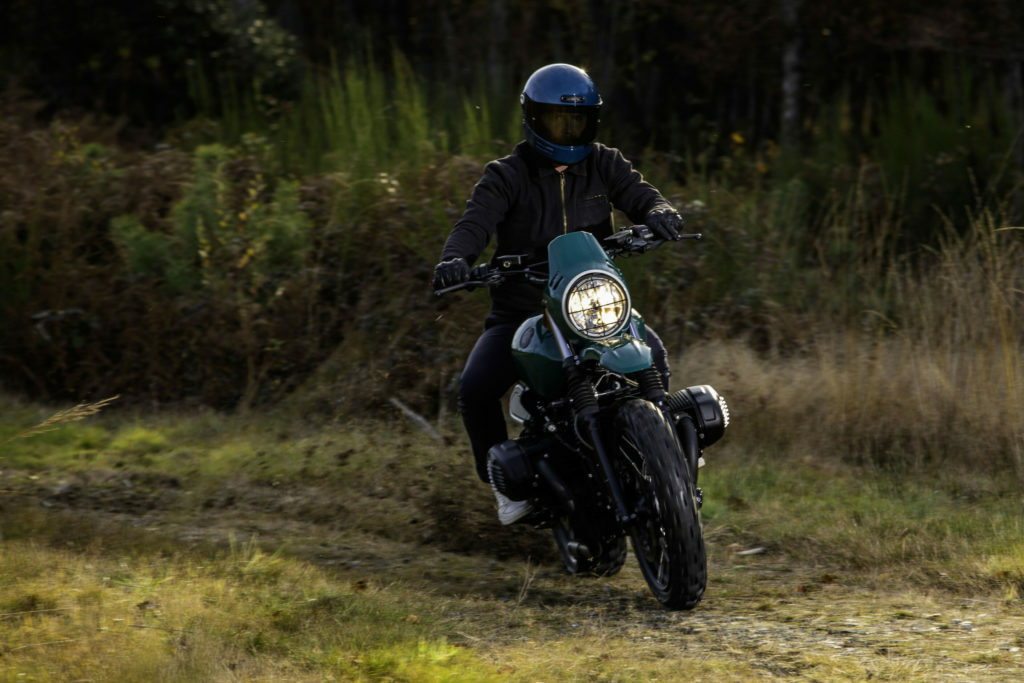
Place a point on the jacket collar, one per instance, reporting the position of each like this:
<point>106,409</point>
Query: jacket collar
<point>545,167</point>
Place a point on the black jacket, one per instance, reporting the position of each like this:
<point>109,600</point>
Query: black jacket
<point>526,203</point>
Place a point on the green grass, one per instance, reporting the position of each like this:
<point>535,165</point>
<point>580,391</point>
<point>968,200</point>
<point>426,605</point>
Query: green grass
<point>788,495</point>
<point>360,118</point>
<point>271,547</point>
<point>119,610</point>
<point>884,522</point>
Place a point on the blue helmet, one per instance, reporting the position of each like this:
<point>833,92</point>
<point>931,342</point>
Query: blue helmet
<point>561,110</point>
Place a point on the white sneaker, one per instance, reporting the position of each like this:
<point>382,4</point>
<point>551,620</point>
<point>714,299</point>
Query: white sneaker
<point>510,511</point>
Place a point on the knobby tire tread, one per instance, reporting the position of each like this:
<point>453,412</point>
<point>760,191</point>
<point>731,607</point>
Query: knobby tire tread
<point>668,480</point>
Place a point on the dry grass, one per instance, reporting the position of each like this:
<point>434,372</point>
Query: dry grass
<point>73,414</point>
<point>935,383</point>
<point>887,401</point>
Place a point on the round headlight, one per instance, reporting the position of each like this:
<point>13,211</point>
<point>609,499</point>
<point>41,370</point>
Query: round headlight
<point>596,305</point>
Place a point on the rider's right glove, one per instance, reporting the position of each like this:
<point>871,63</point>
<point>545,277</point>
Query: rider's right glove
<point>451,272</point>
<point>665,223</point>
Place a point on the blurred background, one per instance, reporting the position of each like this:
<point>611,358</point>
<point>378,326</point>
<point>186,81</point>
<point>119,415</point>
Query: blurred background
<point>238,204</point>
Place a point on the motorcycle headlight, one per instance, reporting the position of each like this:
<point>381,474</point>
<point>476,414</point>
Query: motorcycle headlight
<point>596,305</point>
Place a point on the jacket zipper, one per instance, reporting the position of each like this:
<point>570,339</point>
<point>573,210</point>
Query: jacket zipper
<point>565,218</point>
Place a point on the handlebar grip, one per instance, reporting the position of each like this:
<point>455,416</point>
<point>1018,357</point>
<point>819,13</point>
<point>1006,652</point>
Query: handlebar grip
<point>468,284</point>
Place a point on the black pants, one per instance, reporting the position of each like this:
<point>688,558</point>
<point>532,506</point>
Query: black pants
<point>490,372</point>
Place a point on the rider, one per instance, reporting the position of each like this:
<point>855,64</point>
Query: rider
<point>557,180</point>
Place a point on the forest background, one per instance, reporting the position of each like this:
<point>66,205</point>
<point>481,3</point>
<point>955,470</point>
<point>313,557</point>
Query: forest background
<point>238,204</point>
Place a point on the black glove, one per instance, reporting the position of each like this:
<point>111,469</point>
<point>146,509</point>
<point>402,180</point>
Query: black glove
<point>450,272</point>
<point>665,223</point>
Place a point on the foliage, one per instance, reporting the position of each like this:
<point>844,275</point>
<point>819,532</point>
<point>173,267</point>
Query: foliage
<point>135,61</point>
<point>925,157</point>
<point>212,274</point>
<point>292,248</point>
<point>674,75</point>
<point>359,119</point>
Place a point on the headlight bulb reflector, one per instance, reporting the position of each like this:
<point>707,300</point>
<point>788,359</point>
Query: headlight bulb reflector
<point>596,305</point>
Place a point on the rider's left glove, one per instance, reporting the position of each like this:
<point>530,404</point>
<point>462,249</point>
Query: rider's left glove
<point>665,223</point>
<point>451,272</point>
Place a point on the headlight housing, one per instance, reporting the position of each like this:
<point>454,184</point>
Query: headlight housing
<point>596,305</point>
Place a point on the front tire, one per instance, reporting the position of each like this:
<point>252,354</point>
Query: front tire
<point>666,534</point>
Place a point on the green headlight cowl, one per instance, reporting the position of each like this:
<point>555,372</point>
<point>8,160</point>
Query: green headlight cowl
<point>578,263</point>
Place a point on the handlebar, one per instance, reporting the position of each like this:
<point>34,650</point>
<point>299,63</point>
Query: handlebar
<point>484,275</point>
<point>636,239</point>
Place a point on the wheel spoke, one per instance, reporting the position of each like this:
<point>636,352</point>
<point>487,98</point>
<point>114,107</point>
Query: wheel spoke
<point>633,455</point>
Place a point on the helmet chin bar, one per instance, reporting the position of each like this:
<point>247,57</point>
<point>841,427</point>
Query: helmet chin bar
<point>560,154</point>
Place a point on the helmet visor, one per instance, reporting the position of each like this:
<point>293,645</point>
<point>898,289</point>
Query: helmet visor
<point>561,124</point>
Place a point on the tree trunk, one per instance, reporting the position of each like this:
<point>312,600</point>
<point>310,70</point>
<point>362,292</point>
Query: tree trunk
<point>1015,103</point>
<point>606,16</point>
<point>497,50</point>
<point>789,127</point>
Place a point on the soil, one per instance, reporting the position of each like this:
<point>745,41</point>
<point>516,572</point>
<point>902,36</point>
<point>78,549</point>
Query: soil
<point>781,616</point>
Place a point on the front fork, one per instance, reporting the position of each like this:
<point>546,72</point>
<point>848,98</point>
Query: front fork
<point>584,406</point>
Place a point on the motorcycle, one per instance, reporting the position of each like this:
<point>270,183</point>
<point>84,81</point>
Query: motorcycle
<point>604,451</point>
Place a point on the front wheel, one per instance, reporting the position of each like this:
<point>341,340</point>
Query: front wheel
<point>656,481</point>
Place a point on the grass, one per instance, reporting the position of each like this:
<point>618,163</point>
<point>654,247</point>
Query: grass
<point>128,609</point>
<point>882,523</point>
<point>265,547</point>
<point>360,119</point>
<point>121,610</point>
<point>73,414</point>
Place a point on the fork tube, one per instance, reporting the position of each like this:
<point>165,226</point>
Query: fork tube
<point>593,428</point>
